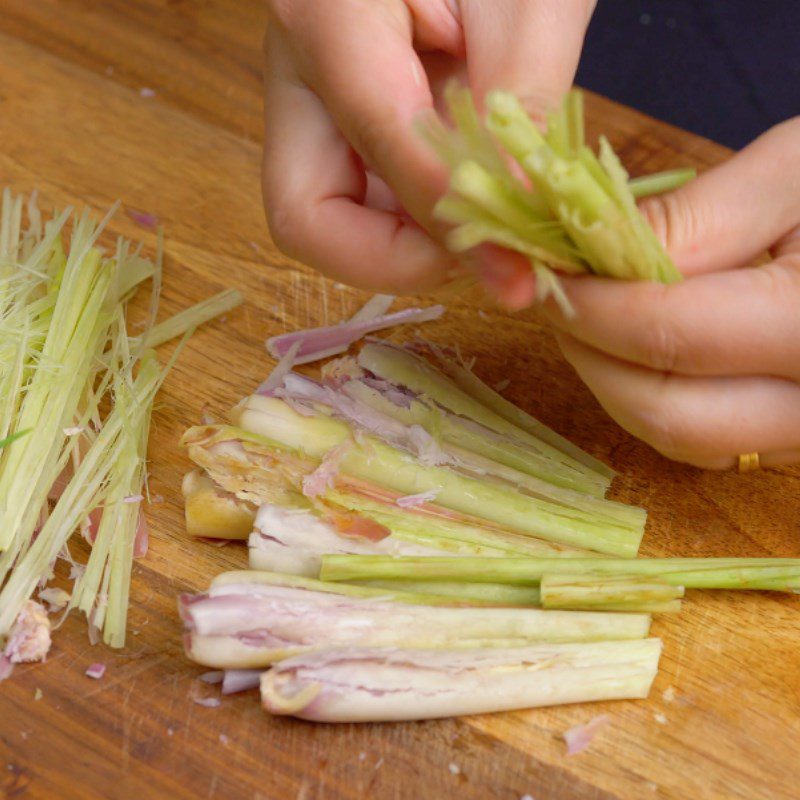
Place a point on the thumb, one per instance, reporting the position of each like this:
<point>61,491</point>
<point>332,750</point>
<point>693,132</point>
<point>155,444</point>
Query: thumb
<point>730,215</point>
<point>528,47</point>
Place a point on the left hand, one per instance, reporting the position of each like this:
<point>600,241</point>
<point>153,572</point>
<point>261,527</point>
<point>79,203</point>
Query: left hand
<point>706,369</point>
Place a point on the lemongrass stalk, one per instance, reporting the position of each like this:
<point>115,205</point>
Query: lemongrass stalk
<point>191,318</point>
<point>496,594</point>
<point>780,574</point>
<point>608,593</point>
<point>404,368</point>
<point>372,685</point>
<point>430,528</point>
<point>375,462</point>
<point>457,435</point>
<point>660,182</point>
<point>238,578</point>
<point>472,385</point>
<point>211,512</point>
<point>275,622</point>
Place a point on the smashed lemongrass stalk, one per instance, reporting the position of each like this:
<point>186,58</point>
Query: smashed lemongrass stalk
<point>660,182</point>
<point>608,593</point>
<point>75,399</point>
<point>252,624</point>
<point>370,460</point>
<point>427,525</point>
<point>572,211</point>
<point>212,512</point>
<point>470,383</point>
<point>189,319</point>
<point>293,541</point>
<point>376,685</point>
<point>778,574</point>
<point>406,369</point>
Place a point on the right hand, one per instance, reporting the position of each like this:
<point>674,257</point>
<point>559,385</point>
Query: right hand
<point>349,185</point>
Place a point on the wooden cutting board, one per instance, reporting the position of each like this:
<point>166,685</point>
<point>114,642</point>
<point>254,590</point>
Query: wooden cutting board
<point>722,719</point>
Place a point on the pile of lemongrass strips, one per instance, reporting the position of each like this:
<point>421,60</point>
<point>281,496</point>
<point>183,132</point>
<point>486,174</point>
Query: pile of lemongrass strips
<point>421,547</point>
<point>545,195</point>
<point>76,394</point>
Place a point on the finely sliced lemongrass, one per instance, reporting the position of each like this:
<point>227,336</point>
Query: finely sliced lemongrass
<point>86,489</point>
<point>373,461</point>
<point>281,369</point>
<point>318,343</point>
<point>13,437</point>
<point>608,593</point>
<point>191,318</point>
<point>276,622</point>
<point>778,574</point>
<point>375,685</point>
<point>470,383</point>
<point>496,594</point>
<point>406,369</point>
<point>377,306</point>
<point>660,182</point>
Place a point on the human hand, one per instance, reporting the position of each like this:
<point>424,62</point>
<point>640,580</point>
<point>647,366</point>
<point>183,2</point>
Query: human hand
<point>706,369</point>
<point>349,186</point>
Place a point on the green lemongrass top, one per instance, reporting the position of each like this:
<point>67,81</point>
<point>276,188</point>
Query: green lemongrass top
<point>780,574</point>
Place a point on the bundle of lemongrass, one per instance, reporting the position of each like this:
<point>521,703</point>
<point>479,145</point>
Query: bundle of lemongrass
<point>545,194</point>
<point>421,547</point>
<point>76,393</point>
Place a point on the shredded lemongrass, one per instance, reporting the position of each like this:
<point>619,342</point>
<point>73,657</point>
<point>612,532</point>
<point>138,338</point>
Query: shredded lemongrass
<point>76,395</point>
<point>573,211</point>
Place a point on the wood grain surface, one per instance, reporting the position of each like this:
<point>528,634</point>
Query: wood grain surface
<point>73,124</point>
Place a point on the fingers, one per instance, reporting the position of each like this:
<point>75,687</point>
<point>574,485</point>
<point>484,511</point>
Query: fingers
<point>529,47</point>
<point>729,323</point>
<point>359,59</point>
<point>707,422</point>
<point>314,189</point>
<point>507,275</point>
<point>729,215</point>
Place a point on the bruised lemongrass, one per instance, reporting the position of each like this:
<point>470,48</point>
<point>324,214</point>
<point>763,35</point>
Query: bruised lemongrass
<point>778,574</point>
<point>373,461</point>
<point>470,383</point>
<point>608,593</point>
<point>253,624</point>
<point>293,540</point>
<point>375,685</point>
<point>213,513</point>
<point>573,211</point>
<point>406,369</point>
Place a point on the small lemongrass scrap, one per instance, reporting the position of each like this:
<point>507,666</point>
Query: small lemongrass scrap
<point>319,343</point>
<point>95,671</point>
<point>579,737</point>
<point>29,638</point>
<point>55,598</point>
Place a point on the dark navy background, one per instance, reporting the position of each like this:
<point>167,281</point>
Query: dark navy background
<point>726,70</point>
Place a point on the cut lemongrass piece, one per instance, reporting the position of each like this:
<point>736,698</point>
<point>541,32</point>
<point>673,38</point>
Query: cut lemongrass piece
<point>608,593</point>
<point>191,318</point>
<point>660,182</point>
<point>258,623</point>
<point>374,462</point>
<point>406,369</point>
<point>778,574</point>
<point>373,685</point>
<point>495,594</point>
<point>470,383</point>
<point>213,513</point>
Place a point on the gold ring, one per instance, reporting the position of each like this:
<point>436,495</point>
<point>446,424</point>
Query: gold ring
<point>748,462</point>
